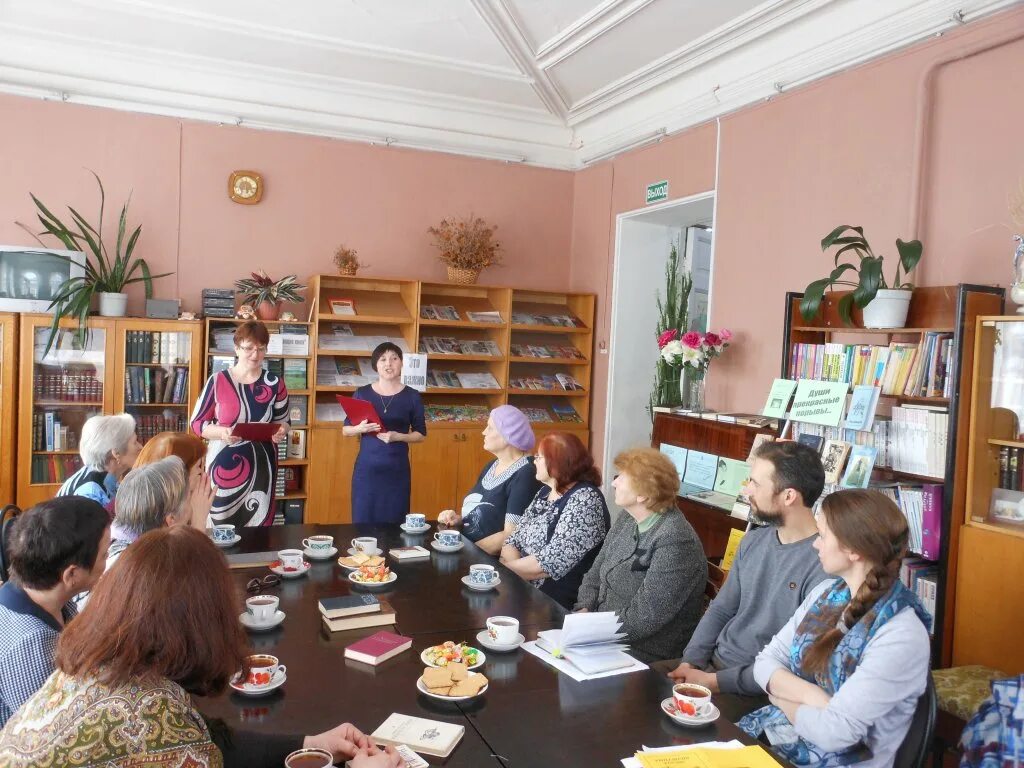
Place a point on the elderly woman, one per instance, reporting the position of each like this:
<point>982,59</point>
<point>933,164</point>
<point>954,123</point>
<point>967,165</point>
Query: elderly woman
<point>243,470</point>
<point>131,662</point>
<point>652,569</point>
<point>494,506</point>
<point>562,529</point>
<point>191,450</point>
<point>108,447</point>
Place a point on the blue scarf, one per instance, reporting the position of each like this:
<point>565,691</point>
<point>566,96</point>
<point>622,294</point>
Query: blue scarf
<point>841,665</point>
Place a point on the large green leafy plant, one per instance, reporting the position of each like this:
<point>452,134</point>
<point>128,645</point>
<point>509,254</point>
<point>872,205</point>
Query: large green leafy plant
<point>672,317</point>
<point>104,272</point>
<point>867,269</point>
<point>260,288</point>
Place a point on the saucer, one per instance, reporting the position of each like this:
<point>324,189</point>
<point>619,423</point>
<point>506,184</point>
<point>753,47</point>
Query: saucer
<point>668,706</point>
<point>228,543</point>
<point>442,548</point>
<point>280,571</point>
<point>320,554</point>
<point>407,529</point>
<point>376,551</point>
<point>440,697</point>
<point>485,640</point>
<point>252,625</point>
<point>392,578</point>
<point>480,587</point>
<point>246,689</point>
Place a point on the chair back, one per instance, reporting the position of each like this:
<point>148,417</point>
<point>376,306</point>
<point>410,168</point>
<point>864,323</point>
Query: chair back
<point>918,742</point>
<point>7,518</point>
<point>716,578</point>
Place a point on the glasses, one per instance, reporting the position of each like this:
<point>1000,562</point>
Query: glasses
<point>250,348</point>
<point>258,585</point>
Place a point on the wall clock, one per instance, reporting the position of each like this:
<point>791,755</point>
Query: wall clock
<point>245,187</point>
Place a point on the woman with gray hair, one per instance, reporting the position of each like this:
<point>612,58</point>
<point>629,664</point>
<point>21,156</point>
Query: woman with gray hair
<point>108,447</point>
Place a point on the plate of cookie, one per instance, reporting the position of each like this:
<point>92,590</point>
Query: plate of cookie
<point>358,560</point>
<point>451,683</point>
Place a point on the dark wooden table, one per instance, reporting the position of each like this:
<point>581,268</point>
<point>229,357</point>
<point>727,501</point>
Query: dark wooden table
<point>530,716</point>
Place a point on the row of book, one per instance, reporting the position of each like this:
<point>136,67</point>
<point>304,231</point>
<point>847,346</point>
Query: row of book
<point>340,336</point>
<point>546,350</point>
<point>287,480</point>
<point>50,434</point>
<point>529,318</point>
<point>49,383</point>
<point>455,413</point>
<point>560,381</point>
<point>289,511</point>
<point>459,380</point>
<point>159,347</point>
<point>448,345</point>
<point>559,413</point>
<point>708,478</point>
<point>155,385</point>
<point>1011,468</point>
<point>922,578</point>
<point>54,469</point>
<point>448,312</point>
<point>911,370</point>
<point>149,424</point>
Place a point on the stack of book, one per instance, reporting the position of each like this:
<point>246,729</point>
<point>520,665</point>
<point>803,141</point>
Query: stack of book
<point>355,611</point>
<point>449,345</point>
<point>922,578</point>
<point>563,320</point>
<point>439,312</point>
<point>219,302</point>
<point>451,413</point>
<point>543,351</point>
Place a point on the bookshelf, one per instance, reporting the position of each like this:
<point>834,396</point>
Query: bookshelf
<point>8,403</point>
<point>990,576</point>
<point>936,310</point>
<point>289,355</point>
<point>465,330</point>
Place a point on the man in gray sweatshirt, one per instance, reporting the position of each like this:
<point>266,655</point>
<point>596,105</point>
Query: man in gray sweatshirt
<point>775,568</point>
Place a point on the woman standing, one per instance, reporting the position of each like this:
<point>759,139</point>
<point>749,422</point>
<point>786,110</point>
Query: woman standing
<point>242,470</point>
<point>845,673</point>
<point>381,481</point>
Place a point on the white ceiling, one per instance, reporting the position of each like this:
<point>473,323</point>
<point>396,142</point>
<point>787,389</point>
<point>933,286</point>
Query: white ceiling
<point>556,83</point>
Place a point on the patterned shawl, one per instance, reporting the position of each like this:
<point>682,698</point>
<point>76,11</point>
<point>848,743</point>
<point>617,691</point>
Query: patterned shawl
<point>842,664</point>
<point>82,723</point>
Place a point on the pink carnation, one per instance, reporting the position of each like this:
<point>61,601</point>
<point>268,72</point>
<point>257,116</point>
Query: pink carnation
<point>726,335</point>
<point>692,339</point>
<point>670,335</point>
<point>712,339</point>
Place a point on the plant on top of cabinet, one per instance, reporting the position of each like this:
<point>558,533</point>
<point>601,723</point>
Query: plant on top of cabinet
<point>466,246</point>
<point>266,295</point>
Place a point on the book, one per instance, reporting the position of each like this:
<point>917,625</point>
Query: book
<point>811,441</point>
<point>409,553</point>
<point>484,317</point>
<point>778,398</point>
<point>859,466</point>
<point>385,617</point>
<point>343,306</point>
<point>348,605</point>
<point>863,402</point>
<point>833,459</point>
<point>590,641</point>
<point>378,648</point>
<point>431,737</point>
<point>568,382</point>
<point>566,413</point>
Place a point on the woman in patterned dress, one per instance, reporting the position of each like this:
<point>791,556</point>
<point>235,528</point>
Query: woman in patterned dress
<point>243,471</point>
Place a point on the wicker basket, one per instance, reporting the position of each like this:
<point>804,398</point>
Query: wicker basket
<point>462,276</point>
<point>348,271</point>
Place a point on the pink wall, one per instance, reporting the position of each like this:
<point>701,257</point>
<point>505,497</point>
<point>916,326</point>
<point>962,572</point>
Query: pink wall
<point>319,193</point>
<point>838,151</point>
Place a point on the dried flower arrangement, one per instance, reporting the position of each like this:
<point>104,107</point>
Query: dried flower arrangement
<point>466,246</point>
<point>347,261</point>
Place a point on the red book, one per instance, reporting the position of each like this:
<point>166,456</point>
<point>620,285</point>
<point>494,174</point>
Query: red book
<point>377,648</point>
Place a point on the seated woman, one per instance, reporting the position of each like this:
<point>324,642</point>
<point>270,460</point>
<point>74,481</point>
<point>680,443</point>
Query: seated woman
<point>562,529</point>
<point>492,509</point>
<point>651,570</point>
<point>108,447</point>
<point>134,658</point>
<point>191,450</point>
<point>845,673</point>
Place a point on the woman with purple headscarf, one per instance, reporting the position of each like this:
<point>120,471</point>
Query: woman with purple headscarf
<point>506,486</point>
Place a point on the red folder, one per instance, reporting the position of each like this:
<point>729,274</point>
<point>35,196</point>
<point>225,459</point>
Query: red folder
<point>256,431</point>
<point>359,411</point>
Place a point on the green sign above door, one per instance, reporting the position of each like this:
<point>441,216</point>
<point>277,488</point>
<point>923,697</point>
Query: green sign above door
<point>657,192</point>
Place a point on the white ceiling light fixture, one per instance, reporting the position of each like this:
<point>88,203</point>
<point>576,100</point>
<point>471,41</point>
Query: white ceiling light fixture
<point>643,141</point>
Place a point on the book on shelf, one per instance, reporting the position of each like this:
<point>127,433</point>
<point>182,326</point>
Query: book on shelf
<point>288,344</point>
<point>563,320</point>
<point>859,466</point>
<point>431,737</point>
<point>677,455</point>
<point>297,444</point>
<point>342,306</point>
<point>409,553</point>
<point>348,605</point>
<point>812,441</point>
<point>378,648</point>
<point>700,472</point>
<point>295,374</point>
<point>439,312</point>
<point>833,459</point>
<point>921,578</point>
<point>66,387</point>
<point>455,413</point>
<point>477,381</point>
<point>298,409</point>
<point>860,414</point>
<point>294,511</point>
<point>921,504</point>
<point>490,316</point>
<point>565,413</point>
<point>568,382</point>
<point>536,415</point>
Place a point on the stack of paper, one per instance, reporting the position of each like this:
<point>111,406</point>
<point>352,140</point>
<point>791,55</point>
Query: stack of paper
<point>590,641</point>
<point>712,754</point>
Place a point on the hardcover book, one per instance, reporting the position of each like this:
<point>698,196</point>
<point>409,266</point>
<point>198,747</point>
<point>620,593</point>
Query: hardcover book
<point>431,737</point>
<point>378,648</point>
<point>858,468</point>
<point>347,605</point>
<point>833,459</point>
<point>409,553</point>
<point>385,617</point>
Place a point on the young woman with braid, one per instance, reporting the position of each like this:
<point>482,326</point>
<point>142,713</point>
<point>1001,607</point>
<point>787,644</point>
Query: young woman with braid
<point>845,673</point>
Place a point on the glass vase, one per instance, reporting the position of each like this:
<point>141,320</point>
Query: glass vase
<point>670,391</point>
<point>695,394</point>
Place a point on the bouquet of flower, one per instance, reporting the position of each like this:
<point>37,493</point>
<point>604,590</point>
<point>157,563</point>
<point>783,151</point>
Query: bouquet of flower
<point>693,349</point>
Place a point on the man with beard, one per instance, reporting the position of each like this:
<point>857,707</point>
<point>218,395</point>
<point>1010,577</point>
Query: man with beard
<point>775,568</point>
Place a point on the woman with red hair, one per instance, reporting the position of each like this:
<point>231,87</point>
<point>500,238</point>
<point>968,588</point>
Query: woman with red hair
<point>564,526</point>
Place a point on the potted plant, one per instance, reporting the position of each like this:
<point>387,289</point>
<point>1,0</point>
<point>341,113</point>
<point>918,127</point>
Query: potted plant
<point>466,246</point>
<point>885,304</point>
<point>347,262</point>
<point>266,295</point>
<point>106,275</point>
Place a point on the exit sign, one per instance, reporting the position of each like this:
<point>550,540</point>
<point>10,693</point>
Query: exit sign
<point>657,192</point>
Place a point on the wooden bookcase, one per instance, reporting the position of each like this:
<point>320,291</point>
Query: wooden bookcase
<point>8,404</point>
<point>950,309</point>
<point>219,352</point>
<point>990,575</point>
<point>448,462</point>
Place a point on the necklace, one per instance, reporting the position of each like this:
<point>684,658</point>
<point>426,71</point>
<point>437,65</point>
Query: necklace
<point>388,402</point>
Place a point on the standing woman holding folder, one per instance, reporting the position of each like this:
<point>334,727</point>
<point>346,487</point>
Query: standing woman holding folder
<point>243,470</point>
<point>381,480</point>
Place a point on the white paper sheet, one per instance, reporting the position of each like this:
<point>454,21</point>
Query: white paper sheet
<point>567,667</point>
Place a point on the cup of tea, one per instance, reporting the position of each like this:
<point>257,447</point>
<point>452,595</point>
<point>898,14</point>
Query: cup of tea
<point>318,543</point>
<point>290,558</point>
<point>503,630</point>
<point>692,699</point>
<point>448,538</point>
<point>482,574</point>
<point>415,520</point>
<point>365,544</point>
<point>262,608</point>
<point>223,532</point>
<point>263,668</point>
<point>309,758</point>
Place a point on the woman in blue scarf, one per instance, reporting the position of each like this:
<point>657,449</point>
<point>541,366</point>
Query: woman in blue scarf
<point>845,673</point>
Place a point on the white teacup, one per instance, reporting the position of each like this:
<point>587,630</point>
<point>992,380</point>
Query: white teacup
<point>318,543</point>
<point>223,532</point>
<point>263,669</point>
<point>448,538</point>
<point>482,574</point>
<point>503,630</point>
<point>365,544</point>
<point>262,608</point>
<point>415,520</point>
<point>290,558</point>
<point>691,699</point>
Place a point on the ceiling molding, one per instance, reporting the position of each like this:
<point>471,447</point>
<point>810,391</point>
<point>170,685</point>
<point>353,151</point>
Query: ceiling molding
<point>586,29</point>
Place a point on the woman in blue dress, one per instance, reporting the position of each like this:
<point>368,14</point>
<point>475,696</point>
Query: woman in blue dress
<point>381,480</point>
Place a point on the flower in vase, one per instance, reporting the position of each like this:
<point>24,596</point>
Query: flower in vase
<point>692,339</point>
<point>671,352</point>
<point>726,335</point>
<point>712,339</point>
<point>692,357</point>
<point>670,335</point>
